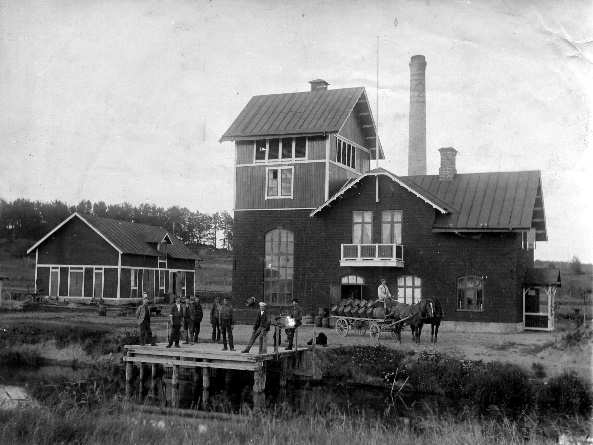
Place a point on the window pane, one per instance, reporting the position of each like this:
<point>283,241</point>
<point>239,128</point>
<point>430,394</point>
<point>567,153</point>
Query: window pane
<point>287,148</point>
<point>273,182</point>
<point>279,268</point>
<point>273,148</point>
<point>417,281</point>
<point>366,234</point>
<point>260,150</point>
<point>409,280</point>
<point>286,182</point>
<point>339,153</point>
<point>409,295</point>
<point>358,216</point>
<point>401,295</point>
<point>400,281</point>
<point>353,158</point>
<point>356,234</point>
<point>300,147</point>
<point>386,235</point>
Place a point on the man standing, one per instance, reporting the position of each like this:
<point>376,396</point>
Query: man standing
<point>215,320</point>
<point>189,315</point>
<point>198,319</point>
<point>227,324</point>
<point>261,326</point>
<point>176,319</point>
<point>143,322</point>
<point>383,291</point>
<point>295,313</point>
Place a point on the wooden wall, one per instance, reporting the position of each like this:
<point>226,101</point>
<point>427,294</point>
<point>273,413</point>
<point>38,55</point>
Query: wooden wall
<point>308,187</point>
<point>353,130</point>
<point>245,152</point>
<point>316,147</point>
<point>338,176</point>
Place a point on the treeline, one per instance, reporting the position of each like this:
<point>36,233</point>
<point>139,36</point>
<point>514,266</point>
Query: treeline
<point>32,220</point>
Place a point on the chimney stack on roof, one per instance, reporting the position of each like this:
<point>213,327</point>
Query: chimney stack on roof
<point>417,144</point>
<point>447,171</point>
<point>318,84</point>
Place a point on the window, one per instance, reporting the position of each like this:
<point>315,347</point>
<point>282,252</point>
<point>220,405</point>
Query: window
<point>134,283</point>
<point>391,227</point>
<point>346,154</point>
<point>285,149</point>
<point>98,284</point>
<point>75,282</point>
<point>182,282</point>
<point>54,281</point>
<point>470,293</point>
<point>362,228</point>
<point>162,280</point>
<point>409,289</point>
<point>279,182</point>
<point>279,267</point>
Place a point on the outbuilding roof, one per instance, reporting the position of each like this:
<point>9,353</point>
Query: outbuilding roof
<point>475,202</point>
<point>542,277</point>
<point>305,113</point>
<point>130,238</point>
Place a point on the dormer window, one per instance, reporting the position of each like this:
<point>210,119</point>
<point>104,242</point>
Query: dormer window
<point>281,149</point>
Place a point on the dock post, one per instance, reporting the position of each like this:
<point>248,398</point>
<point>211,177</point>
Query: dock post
<point>140,382</point>
<point>259,378</point>
<point>175,387</point>
<point>205,378</point>
<point>283,372</point>
<point>153,389</point>
<point>129,370</point>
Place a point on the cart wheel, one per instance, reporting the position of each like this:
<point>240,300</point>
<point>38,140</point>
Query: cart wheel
<point>29,297</point>
<point>342,327</point>
<point>6,295</point>
<point>375,331</point>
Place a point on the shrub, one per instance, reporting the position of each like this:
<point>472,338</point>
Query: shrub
<point>374,361</point>
<point>24,358</point>
<point>566,393</point>
<point>538,370</point>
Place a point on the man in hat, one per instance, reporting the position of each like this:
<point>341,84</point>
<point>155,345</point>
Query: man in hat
<point>199,314</point>
<point>261,327</point>
<point>215,320</point>
<point>176,319</point>
<point>383,291</point>
<point>295,313</point>
<point>189,316</point>
<point>227,323</point>
<point>143,322</point>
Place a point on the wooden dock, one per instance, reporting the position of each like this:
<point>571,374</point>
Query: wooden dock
<point>201,358</point>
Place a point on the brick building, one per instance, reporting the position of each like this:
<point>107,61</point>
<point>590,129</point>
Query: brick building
<point>314,221</point>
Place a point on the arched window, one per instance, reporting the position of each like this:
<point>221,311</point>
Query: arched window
<point>470,293</point>
<point>409,289</point>
<point>279,268</point>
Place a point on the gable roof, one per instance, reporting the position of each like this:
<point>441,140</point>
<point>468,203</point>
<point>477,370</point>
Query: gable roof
<point>128,237</point>
<point>475,202</point>
<point>305,113</point>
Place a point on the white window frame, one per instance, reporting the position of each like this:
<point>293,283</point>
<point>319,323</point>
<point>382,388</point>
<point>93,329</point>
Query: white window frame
<point>56,270</point>
<point>162,273</point>
<point>350,150</point>
<point>477,289</point>
<point>75,270</point>
<point>183,282</point>
<point>102,271</point>
<point>363,223</point>
<point>133,273</point>
<point>280,158</point>
<point>280,196</point>
<point>392,224</point>
<point>402,286</point>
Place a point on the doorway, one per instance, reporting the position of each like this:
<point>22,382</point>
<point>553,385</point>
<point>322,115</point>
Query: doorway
<point>538,304</point>
<point>351,287</point>
<point>98,284</point>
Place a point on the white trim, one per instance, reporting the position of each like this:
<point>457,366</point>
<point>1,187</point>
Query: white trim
<point>260,210</point>
<point>327,154</point>
<point>235,178</point>
<point>118,293</point>
<point>102,270</point>
<point>377,192</point>
<point>283,164</point>
<point>280,159</point>
<point>64,222</point>
<point>389,175</point>
<point>55,269</point>
<point>345,167</point>
<point>90,266</point>
<point>280,196</point>
<point>36,265</point>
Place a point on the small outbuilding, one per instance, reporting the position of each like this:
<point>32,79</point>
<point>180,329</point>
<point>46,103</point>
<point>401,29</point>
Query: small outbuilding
<point>88,257</point>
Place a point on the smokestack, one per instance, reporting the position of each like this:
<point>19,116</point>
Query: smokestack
<point>417,146</point>
<point>318,84</point>
<point>447,171</point>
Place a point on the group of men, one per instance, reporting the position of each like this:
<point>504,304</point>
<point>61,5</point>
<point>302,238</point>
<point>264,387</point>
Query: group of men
<point>187,314</point>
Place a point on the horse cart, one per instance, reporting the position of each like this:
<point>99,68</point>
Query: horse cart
<point>360,316</point>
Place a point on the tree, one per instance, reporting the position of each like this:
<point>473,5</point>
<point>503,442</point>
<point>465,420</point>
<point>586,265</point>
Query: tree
<point>227,225</point>
<point>576,266</point>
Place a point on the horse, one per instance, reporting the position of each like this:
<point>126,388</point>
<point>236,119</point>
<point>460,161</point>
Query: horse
<point>435,318</point>
<point>413,319</point>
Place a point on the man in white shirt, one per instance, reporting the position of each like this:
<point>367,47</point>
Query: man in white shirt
<point>383,291</point>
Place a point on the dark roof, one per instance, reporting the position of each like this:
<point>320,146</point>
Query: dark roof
<point>138,239</point>
<point>485,201</point>
<point>306,113</point>
<point>128,237</point>
<point>542,277</point>
<point>475,202</point>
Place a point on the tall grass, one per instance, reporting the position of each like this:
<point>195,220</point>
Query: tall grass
<point>29,425</point>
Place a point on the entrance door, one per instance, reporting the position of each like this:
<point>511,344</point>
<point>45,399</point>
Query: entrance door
<point>98,285</point>
<point>538,304</point>
<point>352,287</point>
<point>54,282</point>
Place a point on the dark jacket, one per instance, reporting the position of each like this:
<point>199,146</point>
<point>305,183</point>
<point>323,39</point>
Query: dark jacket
<point>262,321</point>
<point>177,315</point>
<point>226,314</point>
<point>296,313</point>
<point>189,312</point>
<point>214,312</point>
<point>199,312</point>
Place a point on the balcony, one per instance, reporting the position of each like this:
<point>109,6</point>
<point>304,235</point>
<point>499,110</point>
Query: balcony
<point>372,255</point>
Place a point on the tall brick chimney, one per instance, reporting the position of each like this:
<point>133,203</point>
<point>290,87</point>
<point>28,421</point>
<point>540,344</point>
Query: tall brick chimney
<point>318,84</point>
<point>447,171</point>
<point>417,145</point>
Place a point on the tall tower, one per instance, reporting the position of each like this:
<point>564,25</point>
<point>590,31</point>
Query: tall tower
<point>417,144</point>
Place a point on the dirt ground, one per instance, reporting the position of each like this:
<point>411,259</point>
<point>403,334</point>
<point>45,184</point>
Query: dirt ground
<point>524,349</point>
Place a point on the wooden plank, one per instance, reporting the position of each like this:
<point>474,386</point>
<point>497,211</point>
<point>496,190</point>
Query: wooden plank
<point>190,364</point>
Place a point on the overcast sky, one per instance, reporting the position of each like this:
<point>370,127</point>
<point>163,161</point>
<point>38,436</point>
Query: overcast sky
<point>126,100</point>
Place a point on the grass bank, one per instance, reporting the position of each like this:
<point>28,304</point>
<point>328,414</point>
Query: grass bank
<point>112,424</point>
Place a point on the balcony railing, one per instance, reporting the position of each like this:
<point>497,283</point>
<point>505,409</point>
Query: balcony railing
<point>373,255</point>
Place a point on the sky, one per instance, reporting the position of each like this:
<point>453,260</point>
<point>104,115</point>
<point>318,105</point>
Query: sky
<point>125,100</point>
